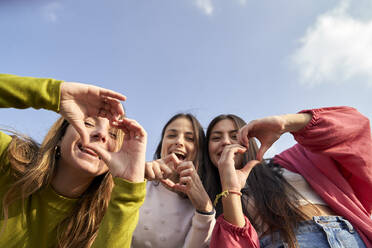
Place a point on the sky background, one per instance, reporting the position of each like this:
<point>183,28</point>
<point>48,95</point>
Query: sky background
<point>205,57</point>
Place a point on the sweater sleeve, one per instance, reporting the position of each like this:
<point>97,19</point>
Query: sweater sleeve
<point>226,235</point>
<point>25,92</point>
<point>121,217</point>
<point>342,135</point>
<point>200,231</point>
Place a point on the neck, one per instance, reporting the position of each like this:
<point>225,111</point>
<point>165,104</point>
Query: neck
<point>70,183</point>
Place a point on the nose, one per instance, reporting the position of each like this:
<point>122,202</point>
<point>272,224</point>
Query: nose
<point>99,134</point>
<point>180,141</point>
<point>226,140</point>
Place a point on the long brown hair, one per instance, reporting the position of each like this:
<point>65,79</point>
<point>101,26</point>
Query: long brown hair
<point>209,172</point>
<point>33,167</point>
<point>273,198</point>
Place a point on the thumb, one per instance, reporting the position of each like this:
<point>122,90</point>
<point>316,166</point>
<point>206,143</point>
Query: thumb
<point>249,166</point>
<point>261,152</point>
<point>101,152</point>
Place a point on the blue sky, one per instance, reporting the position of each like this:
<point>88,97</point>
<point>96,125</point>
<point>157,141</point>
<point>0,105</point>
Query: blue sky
<point>206,57</point>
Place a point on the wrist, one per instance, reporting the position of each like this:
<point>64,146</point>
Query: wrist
<point>295,122</point>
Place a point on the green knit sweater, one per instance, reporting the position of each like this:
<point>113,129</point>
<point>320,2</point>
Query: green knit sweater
<point>34,224</point>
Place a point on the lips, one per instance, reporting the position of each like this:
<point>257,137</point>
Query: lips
<point>88,151</point>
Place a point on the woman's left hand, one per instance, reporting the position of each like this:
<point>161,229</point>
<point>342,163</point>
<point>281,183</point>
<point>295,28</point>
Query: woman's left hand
<point>232,178</point>
<point>190,184</point>
<point>129,162</point>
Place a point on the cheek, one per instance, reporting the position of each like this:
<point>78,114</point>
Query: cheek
<point>164,148</point>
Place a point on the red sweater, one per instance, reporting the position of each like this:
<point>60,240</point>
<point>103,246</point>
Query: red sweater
<point>334,155</point>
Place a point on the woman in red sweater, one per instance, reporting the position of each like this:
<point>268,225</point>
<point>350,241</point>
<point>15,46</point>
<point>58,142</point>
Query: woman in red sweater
<point>315,194</point>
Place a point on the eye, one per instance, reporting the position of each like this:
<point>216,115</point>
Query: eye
<point>234,137</point>
<point>88,124</point>
<point>215,139</point>
<point>190,139</point>
<point>113,135</point>
<point>171,135</point>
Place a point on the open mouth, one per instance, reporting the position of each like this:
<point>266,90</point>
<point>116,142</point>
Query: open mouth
<point>88,151</point>
<point>180,156</point>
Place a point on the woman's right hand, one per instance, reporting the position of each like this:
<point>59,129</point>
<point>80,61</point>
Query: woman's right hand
<point>79,101</point>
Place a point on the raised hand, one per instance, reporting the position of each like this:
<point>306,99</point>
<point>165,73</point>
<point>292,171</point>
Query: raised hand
<point>232,178</point>
<point>267,130</point>
<point>129,161</point>
<point>191,185</point>
<point>79,101</point>
<point>161,168</point>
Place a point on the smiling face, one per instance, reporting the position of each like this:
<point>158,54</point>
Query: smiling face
<point>76,158</point>
<point>222,134</point>
<point>179,138</point>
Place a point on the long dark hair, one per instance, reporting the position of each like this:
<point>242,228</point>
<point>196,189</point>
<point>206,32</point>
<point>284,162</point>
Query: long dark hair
<point>274,200</point>
<point>209,172</point>
<point>199,138</point>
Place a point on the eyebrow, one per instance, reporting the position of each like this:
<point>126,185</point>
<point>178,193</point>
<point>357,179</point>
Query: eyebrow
<point>220,132</point>
<point>176,131</point>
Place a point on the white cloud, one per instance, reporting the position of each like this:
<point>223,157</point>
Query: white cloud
<point>50,11</point>
<point>336,48</point>
<point>207,6</point>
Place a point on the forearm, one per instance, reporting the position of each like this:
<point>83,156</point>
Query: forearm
<point>232,210</point>
<point>24,92</point>
<point>295,122</point>
<point>121,216</point>
<point>200,231</point>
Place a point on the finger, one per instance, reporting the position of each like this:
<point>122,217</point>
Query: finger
<point>185,165</point>
<point>157,171</point>
<point>101,152</point>
<point>111,94</point>
<point>168,182</point>
<point>82,131</point>
<point>185,180</point>
<point>113,107</point>
<point>249,166</point>
<point>149,173</point>
<point>133,127</point>
<point>243,136</point>
<point>181,188</point>
<point>166,171</point>
<point>230,151</point>
<point>261,152</point>
<point>172,161</point>
<point>188,172</point>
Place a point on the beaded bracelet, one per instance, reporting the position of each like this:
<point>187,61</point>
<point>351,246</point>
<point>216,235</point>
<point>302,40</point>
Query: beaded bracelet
<point>225,194</point>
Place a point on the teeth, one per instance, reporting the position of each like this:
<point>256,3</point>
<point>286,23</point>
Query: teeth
<point>180,156</point>
<point>88,150</point>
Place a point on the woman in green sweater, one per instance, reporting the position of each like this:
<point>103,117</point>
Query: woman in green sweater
<point>83,186</point>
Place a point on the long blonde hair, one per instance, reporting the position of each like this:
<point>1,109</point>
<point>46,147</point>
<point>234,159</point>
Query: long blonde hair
<point>33,167</point>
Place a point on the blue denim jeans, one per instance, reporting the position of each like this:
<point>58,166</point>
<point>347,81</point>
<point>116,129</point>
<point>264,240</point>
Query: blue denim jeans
<point>321,232</point>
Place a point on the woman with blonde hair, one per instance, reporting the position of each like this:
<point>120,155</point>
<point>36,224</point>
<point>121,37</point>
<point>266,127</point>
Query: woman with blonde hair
<point>83,185</point>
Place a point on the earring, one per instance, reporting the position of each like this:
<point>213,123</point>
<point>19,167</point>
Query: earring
<point>57,151</point>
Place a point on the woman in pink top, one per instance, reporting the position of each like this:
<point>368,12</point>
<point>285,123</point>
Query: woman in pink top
<point>334,158</point>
